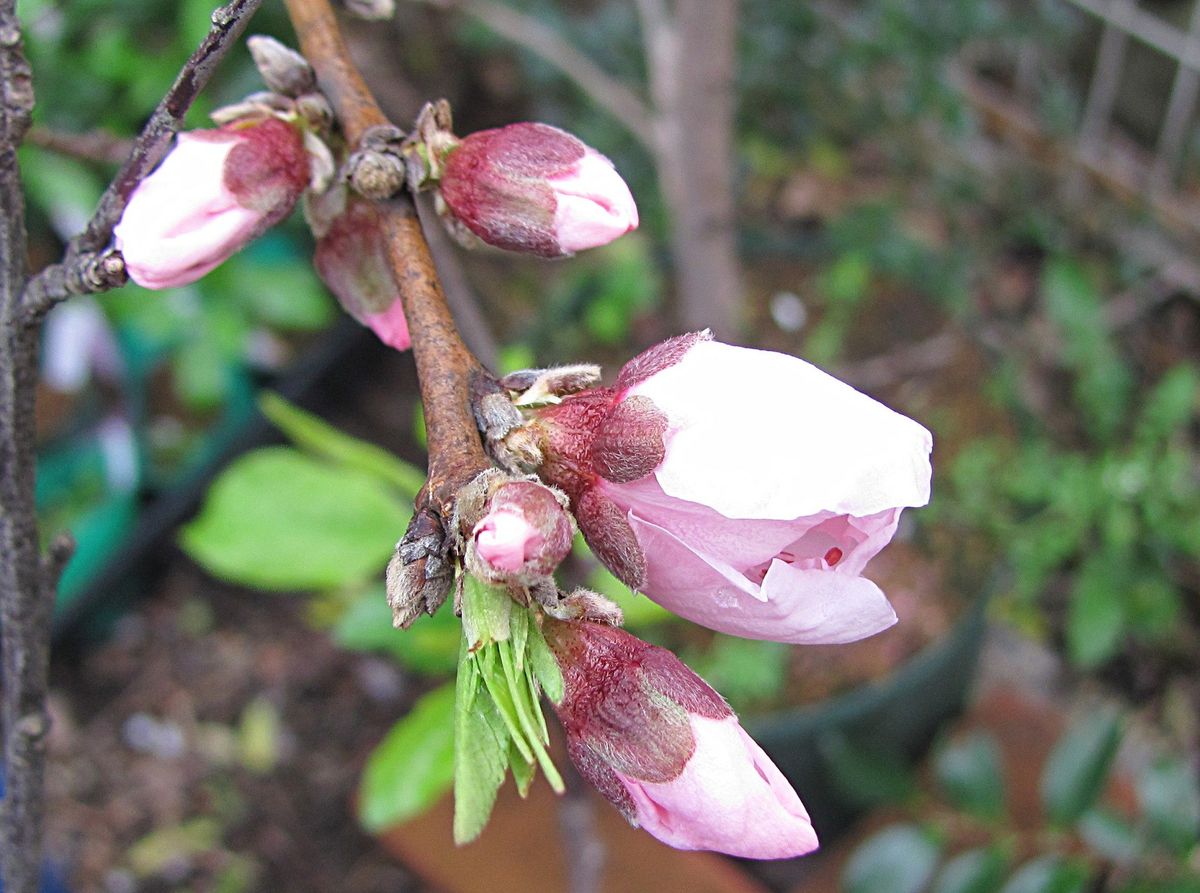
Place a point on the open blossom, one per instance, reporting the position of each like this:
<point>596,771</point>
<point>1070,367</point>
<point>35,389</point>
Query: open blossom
<point>537,189</point>
<point>742,489</point>
<point>668,752</point>
<point>351,259</point>
<point>525,533</point>
<point>215,191</point>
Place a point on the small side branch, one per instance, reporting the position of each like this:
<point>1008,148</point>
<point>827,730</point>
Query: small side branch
<point>543,41</point>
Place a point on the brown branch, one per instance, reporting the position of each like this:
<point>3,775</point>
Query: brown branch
<point>97,146</point>
<point>445,367</point>
<point>24,600</point>
<point>77,272</point>
<point>543,41</point>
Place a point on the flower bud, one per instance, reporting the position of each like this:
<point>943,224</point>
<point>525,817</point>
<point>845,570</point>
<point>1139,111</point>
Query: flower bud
<point>351,259</point>
<point>668,752</point>
<point>537,189</point>
<point>214,192</point>
<point>744,490</point>
<point>524,534</point>
<point>282,68</point>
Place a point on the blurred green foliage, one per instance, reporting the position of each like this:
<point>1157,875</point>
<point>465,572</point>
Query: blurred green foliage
<point>964,835</point>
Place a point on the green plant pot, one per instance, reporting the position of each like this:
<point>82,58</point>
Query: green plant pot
<point>897,716</point>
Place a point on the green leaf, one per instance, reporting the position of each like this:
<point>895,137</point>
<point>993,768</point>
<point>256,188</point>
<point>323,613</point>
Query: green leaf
<point>1047,874</point>
<point>1077,769</point>
<point>543,665</point>
<point>308,431</point>
<point>899,859</point>
<point>429,646</point>
<point>1110,835</point>
<point>743,670</point>
<point>865,775</point>
<point>969,773</point>
<point>1169,795</point>
<point>279,520</point>
<point>975,871</point>
<point>1170,403</point>
<point>486,613</point>
<point>1096,613</point>
<point>523,772</point>
<point>480,752</point>
<point>414,764</point>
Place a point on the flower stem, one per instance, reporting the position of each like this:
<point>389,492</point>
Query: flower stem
<point>445,367</point>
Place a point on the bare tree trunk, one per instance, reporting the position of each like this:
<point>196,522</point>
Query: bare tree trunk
<point>692,59</point>
<point>23,600</point>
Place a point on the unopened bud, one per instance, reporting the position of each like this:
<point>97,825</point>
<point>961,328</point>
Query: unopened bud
<point>668,752</point>
<point>524,534</point>
<point>282,68</point>
<point>535,189</point>
<point>372,10</point>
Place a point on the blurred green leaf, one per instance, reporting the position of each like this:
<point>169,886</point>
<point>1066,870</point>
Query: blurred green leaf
<point>1077,769</point>
<point>969,772</point>
<point>867,776</point>
<point>279,520</point>
<point>1169,794</point>
<point>309,431</point>
<point>1170,403</point>
<point>1047,874</point>
<point>898,859</point>
<point>259,734</point>
<point>1110,835</point>
<point>414,764</point>
<point>160,848</point>
<point>429,646</point>
<point>202,376</point>
<point>1096,614</point>
<point>980,870</point>
<point>744,670</point>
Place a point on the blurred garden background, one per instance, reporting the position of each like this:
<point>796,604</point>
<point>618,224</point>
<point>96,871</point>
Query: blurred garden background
<point>984,213</point>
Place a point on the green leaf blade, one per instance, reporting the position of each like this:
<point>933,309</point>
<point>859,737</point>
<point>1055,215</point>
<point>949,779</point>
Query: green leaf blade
<point>414,764</point>
<point>279,520</point>
<point>1077,768</point>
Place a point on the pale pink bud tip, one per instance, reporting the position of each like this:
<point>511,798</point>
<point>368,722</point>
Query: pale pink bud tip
<point>729,797</point>
<point>506,540</point>
<point>525,531</point>
<point>593,205</point>
<point>536,189</point>
<point>213,193</point>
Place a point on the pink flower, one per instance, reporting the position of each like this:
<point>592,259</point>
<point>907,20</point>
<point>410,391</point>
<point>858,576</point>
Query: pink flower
<point>213,193</point>
<point>351,259</point>
<point>525,533</point>
<point>742,489</point>
<point>668,752</point>
<point>536,189</point>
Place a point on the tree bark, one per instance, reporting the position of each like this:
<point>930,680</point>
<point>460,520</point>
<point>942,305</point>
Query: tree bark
<point>691,59</point>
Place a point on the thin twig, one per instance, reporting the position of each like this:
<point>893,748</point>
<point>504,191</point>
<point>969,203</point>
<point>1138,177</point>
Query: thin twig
<point>445,367</point>
<point>77,272</point>
<point>98,146</point>
<point>543,41</point>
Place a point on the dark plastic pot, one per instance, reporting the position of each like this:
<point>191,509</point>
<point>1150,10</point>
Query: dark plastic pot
<point>897,716</point>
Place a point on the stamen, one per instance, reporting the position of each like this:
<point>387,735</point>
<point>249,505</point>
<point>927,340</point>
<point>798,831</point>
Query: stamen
<point>833,556</point>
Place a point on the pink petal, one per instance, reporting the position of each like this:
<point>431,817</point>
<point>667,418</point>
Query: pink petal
<point>391,326</point>
<point>757,434</point>
<point>593,205</point>
<point>505,539</point>
<point>730,798</point>
<point>791,605</point>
